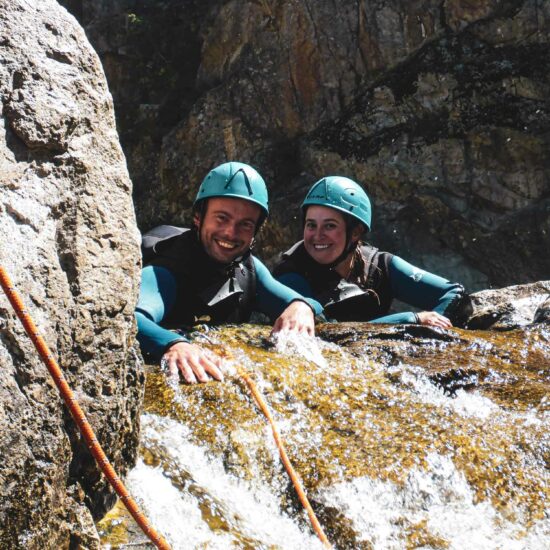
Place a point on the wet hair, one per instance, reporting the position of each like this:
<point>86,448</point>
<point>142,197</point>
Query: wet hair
<point>358,261</point>
<point>199,208</point>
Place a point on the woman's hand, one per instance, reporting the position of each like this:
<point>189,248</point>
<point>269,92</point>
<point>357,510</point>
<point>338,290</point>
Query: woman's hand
<point>433,319</point>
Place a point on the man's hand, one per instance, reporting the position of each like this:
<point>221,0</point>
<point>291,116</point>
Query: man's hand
<point>433,319</point>
<point>297,317</point>
<point>194,362</point>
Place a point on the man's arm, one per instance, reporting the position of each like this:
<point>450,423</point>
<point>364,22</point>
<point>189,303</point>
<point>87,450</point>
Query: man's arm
<point>157,296</point>
<point>291,310</point>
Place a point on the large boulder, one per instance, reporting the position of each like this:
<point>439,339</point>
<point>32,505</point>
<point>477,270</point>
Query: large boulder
<point>511,307</point>
<point>438,108</point>
<point>70,244</point>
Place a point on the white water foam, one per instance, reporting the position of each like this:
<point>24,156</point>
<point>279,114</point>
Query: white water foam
<point>292,343</point>
<point>441,498</point>
<point>469,404</point>
<point>251,508</point>
<point>464,403</point>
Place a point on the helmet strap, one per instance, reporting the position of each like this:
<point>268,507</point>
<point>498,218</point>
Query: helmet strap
<point>349,245</point>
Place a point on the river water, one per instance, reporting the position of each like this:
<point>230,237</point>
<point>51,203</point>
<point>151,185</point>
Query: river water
<point>404,437</point>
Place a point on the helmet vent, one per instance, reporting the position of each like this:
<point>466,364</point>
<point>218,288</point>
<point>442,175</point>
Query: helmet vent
<point>246,181</point>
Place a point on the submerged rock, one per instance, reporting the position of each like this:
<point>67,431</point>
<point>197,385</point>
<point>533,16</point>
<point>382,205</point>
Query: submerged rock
<point>404,436</point>
<point>69,242</point>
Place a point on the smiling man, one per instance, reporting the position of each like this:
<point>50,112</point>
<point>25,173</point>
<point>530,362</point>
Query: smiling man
<point>207,274</point>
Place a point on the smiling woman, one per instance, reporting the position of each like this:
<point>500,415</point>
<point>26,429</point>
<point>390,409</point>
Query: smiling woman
<point>325,235</point>
<point>353,280</point>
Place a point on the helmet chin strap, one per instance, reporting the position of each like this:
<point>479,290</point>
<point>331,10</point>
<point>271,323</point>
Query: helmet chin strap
<point>348,247</point>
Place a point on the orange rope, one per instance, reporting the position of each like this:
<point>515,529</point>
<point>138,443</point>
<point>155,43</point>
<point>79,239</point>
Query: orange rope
<point>284,457</point>
<point>76,412</point>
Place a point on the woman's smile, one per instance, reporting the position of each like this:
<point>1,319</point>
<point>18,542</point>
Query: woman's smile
<point>324,234</point>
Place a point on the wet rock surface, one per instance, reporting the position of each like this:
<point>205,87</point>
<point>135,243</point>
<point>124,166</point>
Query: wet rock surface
<point>511,307</point>
<point>68,241</point>
<point>394,431</point>
<point>439,109</point>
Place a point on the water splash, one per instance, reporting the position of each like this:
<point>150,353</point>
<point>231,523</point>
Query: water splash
<point>306,347</point>
<point>467,404</point>
<point>438,500</point>
<point>194,502</point>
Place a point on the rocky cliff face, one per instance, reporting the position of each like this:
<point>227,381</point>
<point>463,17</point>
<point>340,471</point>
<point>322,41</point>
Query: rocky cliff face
<point>440,109</point>
<point>69,241</point>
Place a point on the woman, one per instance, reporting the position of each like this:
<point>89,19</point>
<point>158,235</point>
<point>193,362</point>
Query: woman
<point>353,280</point>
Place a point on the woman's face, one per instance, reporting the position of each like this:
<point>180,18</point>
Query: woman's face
<point>324,233</point>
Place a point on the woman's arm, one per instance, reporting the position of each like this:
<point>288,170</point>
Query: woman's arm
<point>427,291</point>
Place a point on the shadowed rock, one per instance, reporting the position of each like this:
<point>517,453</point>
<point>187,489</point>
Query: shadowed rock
<point>438,108</point>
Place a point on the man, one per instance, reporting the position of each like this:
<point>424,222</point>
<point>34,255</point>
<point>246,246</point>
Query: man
<point>207,274</point>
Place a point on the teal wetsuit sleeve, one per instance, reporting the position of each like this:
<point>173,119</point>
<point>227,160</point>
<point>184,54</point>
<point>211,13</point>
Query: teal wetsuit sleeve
<point>396,318</point>
<point>156,297</point>
<point>273,297</point>
<point>420,289</point>
<point>296,282</point>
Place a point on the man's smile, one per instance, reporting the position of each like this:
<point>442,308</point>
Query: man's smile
<point>226,244</point>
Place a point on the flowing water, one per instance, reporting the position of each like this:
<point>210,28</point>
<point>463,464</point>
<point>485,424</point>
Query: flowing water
<point>404,437</point>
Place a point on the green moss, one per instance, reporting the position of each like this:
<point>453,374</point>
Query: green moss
<point>361,415</point>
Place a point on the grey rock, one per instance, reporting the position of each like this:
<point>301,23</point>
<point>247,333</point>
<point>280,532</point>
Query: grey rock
<point>70,244</point>
<point>511,307</point>
<point>542,314</point>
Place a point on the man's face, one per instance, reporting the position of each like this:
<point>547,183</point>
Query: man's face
<point>227,227</point>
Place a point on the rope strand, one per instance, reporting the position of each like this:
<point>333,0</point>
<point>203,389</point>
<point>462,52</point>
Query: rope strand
<point>284,457</point>
<point>77,413</point>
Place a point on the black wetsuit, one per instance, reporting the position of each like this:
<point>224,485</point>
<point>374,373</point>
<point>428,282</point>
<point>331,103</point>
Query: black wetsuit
<point>387,277</point>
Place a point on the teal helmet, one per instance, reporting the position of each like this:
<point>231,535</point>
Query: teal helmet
<point>235,180</point>
<point>342,194</point>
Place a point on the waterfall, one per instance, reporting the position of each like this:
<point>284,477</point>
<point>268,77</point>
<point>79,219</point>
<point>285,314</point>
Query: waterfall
<point>403,438</point>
